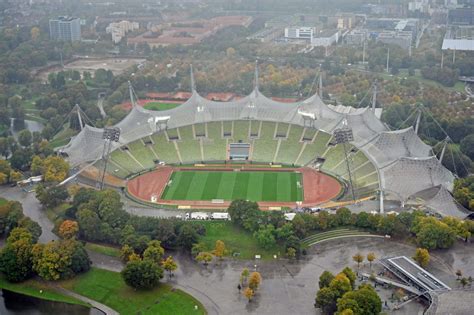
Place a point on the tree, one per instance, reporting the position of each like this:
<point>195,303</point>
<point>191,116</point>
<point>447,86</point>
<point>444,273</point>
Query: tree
<point>219,249</point>
<point>464,282</point>
<point>15,257</point>
<point>125,252</point>
<point>467,146</point>
<point>341,284</point>
<point>3,178</point>
<point>291,253</point>
<point>37,165</point>
<point>265,236</point>
<point>10,215</point>
<point>254,280</point>
<point>363,301</point>
<point>154,251</point>
<point>60,259</point>
<point>51,197</point>
<point>326,300</point>
<point>432,233</point>
<point>187,236</point>
<point>32,226</point>
<point>35,33</point>
<point>244,276</point>
<point>358,258</point>
<point>55,169</point>
<point>68,229</point>
<point>15,176</point>
<point>422,257</point>
<point>248,293</point>
<point>169,265</point>
<point>350,275</point>
<point>370,258</point>
<point>240,210</point>
<point>143,274</point>
<point>325,279</point>
<point>25,137</point>
<point>204,257</point>
<point>458,274</point>
<point>343,216</point>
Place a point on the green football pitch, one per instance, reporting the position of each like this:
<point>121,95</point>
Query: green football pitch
<point>248,185</point>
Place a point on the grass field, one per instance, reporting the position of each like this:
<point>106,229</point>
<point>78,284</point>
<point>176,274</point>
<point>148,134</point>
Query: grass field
<point>108,287</point>
<point>38,289</point>
<point>2,201</point>
<point>254,186</point>
<point>103,249</point>
<point>160,106</point>
<point>236,240</point>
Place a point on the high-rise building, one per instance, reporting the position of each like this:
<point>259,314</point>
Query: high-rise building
<point>65,28</point>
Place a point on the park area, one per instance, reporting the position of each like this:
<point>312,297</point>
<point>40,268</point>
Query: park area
<point>225,185</point>
<point>108,287</point>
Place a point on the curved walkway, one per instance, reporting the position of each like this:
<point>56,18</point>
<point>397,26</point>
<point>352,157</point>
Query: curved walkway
<point>102,307</point>
<point>335,234</point>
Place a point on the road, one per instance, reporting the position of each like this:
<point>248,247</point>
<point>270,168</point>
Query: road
<point>100,105</point>
<point>31,208</point>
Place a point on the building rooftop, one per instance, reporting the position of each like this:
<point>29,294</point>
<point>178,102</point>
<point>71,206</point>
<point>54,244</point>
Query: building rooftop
<point>65,18</point>
<point>413,274</point>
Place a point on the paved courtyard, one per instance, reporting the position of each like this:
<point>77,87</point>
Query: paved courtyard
<point>290,288</point>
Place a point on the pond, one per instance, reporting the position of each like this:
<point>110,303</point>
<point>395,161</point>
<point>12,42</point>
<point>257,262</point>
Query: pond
<point>31,125</point>
<point>12,303</point>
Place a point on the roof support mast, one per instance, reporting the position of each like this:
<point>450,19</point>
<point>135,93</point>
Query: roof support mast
<point>418,118</point>
<point>320,84</point>
<point>79,117</point>
<point>443,151</point>
<point>193,83</point>
<point>130,91</point>
<point>256,77</point>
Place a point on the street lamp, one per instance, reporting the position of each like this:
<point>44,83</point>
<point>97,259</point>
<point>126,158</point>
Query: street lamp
<point>343,136</point>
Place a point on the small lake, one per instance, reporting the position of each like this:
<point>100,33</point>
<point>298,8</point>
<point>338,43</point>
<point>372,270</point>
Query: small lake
<point>31,125</point>
<point>18,304</point>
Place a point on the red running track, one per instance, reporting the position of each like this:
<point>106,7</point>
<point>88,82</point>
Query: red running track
<point>318,187</point>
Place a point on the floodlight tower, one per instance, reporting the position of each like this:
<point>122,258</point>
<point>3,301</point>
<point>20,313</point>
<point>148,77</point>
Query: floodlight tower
<point>109,135</point>
<point>343,136</point>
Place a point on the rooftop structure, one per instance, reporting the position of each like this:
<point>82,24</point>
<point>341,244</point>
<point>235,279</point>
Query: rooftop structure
<point>325,38</point>
<point>356,37</point>
<point>461,38</point>
<point>65,28</point>
<point>409,272</point>
<point>402,39</point>
<point>305,33</point>
<point>404,165</point>
<point>119,29</point>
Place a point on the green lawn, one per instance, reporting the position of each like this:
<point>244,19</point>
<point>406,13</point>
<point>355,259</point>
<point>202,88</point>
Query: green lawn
<point>108,287</point>
<point>32,287</point>
<point>57,213</point>
<point>3,201</point>
<point>254,186</point>
<point>235,240</point>
<point>62,137</point>
<point>103,249</point>
<point>160,106</point>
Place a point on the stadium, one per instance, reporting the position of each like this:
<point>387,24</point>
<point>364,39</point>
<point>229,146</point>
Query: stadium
<point>204,154</point>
